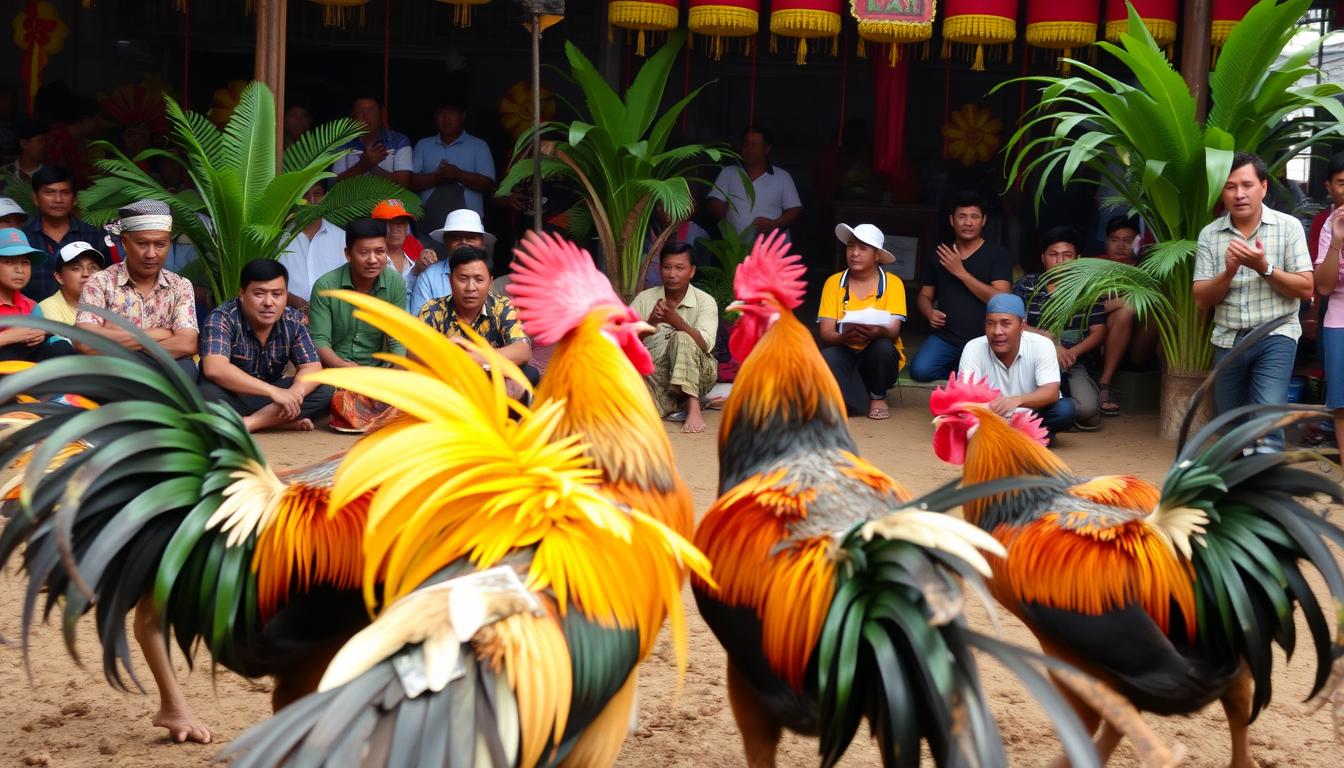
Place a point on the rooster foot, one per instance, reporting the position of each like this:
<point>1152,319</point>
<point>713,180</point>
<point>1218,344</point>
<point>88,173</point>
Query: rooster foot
<point>182,726</point>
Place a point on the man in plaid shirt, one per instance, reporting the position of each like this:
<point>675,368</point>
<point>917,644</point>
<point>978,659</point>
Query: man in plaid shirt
<point>1252,266</point>
<point>246,347</point>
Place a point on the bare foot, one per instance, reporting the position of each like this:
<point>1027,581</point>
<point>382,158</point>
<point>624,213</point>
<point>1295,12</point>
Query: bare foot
<point>298,425</point>
<point>694,423</point>
<point>877,410</point>
<point>183,726</point>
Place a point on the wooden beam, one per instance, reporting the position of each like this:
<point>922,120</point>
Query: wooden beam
<point>269,63</point>
<point>1196,28</point>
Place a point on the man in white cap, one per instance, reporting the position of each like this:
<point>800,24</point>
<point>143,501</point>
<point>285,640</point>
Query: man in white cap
<point>863,351</point>
<point>75,264</point>
<point>462,227</point>
<point>12,215</point>
<point>139,289</point>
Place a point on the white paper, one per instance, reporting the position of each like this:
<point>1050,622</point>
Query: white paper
<point>868,316</point>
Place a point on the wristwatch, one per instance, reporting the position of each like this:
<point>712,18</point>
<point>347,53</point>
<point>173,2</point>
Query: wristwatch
<point>1269,270</point>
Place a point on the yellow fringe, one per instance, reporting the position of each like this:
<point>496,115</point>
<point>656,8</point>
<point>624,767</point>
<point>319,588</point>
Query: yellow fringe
<point>633,14</point>
<point>462,10</point>
<point>1219,33</point>
<point>803,24</point>
<point>1162,30</point>
<point>1061,34</point>
<point>979,29</point>
<point>895,31</point>
<point>720,21</point>
<point>334,12</point>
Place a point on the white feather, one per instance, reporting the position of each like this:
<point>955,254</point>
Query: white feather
<point>937,531</point>
<point>1177,526</point>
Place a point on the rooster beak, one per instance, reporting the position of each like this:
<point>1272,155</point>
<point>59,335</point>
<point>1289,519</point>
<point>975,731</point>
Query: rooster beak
<point>642,328</point>
<point>736,306</point>
<point>938,421</point>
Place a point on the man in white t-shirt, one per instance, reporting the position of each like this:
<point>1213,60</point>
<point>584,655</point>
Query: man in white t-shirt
<point>776,205</point>
<point>314,252</point>
<point>380,151</point>
<point>1022,366</point>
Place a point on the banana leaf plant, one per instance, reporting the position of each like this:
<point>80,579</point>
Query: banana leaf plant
<point>617,159</point>
<point>240,208</point>
<point>1139,135</point>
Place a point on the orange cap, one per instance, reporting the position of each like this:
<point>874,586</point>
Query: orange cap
<point>391,209</point>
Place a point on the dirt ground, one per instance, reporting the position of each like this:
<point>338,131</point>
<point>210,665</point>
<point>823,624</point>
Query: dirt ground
<point>68,716</point>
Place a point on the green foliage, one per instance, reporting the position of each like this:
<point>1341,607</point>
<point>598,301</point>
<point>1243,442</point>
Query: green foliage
<point>241,209</point>
<point>1143,140</point>
<point>729,251</point>
<point>618,160</point>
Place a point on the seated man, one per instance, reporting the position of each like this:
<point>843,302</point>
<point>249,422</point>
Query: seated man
<point>462,227</point>
<point>341,339</point>
<point>1022,366</point>
<point>1126,337</point>
<point>244,350</point>
<point>75,264</point>
<point>686,325</point>
<point>1082,337</point>
<point>473,305</point>
<point>17,260</point>
<point>139,289</point>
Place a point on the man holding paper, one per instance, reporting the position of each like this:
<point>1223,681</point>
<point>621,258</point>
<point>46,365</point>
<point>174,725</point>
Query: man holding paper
<point>860,320</point>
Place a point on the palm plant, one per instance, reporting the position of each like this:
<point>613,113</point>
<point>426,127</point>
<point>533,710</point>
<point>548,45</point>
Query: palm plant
<point>729,251</point>
<point>241,208</point>
<point>619,162</point>
<point>1140,136</point>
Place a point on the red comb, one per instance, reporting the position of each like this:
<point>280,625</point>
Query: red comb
<point>961,388</point>
<point>1029,424</point>
<point>770,270</point>
<point>554,284</point>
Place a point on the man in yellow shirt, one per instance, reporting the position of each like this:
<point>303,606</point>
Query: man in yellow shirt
<point>75,263</point>
<point>865,357</point>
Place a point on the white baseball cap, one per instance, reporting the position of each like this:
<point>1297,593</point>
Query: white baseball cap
<point>464,220</point>
<point>868,235</point>
<point>72,251</point>
<point>8,208</point>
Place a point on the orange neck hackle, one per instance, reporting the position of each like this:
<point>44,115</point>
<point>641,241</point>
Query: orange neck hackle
<point>995,449</point>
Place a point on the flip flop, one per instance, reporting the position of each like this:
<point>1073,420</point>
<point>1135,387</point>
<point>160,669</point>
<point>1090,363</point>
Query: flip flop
<point>712,404</point>
<point>880,414</point>
<point>1108,405</point>
<point>677,416</point>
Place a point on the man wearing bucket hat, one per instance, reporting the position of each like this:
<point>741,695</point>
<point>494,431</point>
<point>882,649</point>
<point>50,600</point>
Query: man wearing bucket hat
<point>1022,366</point>
<point>461,227</point>
<point>18,259</point>
<point>865,352</point>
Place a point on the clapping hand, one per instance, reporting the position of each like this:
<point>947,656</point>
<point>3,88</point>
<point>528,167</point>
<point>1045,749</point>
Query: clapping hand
<point>1251,256</point>
<point>374,154</point>
<point>662,313</point>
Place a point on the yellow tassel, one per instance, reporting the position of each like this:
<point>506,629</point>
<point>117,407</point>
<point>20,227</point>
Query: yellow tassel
<point>863,49</point>
<point>1010,53</point>
<point>893,55</point>
<point>947,48</point>
<point>774,43</point>
<point>978,65</point>
<point>639,44</point>
<point>802,51</point>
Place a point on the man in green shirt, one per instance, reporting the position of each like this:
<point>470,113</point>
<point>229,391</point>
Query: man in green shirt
<point>341,340</point>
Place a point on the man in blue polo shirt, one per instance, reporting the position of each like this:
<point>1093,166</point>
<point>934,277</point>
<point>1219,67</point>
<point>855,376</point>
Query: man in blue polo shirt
<point>54,226</point>
<point>453,158</point>
<point>381,151</point>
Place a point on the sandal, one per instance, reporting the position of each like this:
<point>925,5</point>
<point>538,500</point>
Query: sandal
<point>878,412</point>
<point>1108,405</point>
<point>676,416</point>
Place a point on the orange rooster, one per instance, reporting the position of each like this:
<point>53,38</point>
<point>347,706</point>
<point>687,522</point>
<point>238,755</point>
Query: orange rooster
<point>838,598</point>
<point>1173,596</point>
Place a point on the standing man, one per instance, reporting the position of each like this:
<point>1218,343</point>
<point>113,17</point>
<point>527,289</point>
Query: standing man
<point>314,252</point>
<point>297,122</point>
<point>776,205</point>
<point>686,325</point>
<point>381,151</point>
<point>461,227</point>
<point>1022,366</point>
<point>1252,266</point>
<point>32,137</point>
<point>453,158</point>
<point>54,226</point>
<point>958,282</point>
<point>246,346</point>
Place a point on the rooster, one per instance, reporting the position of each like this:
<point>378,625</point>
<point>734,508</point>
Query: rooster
<point>512,594</point>
<point>161,503</point>
<point>838,598</point>
<point>1173,596</point>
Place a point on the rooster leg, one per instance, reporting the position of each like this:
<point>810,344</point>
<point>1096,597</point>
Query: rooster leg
<point>1237,704</point>
<point>305,675</point>
<point>174,712</point>
<point>760,731</point>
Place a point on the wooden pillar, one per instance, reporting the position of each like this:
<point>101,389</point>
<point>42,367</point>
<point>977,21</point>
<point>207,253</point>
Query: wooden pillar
<point>269,64</point>
<point>1196,28</point>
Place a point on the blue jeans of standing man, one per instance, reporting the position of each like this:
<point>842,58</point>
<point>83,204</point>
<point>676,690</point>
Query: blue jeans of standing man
<point>1259,376</point>
<point>935,359</point>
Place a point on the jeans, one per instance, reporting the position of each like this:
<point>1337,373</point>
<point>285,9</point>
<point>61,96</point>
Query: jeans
<point>935,360</point>
<point>1259,376</point>
<point>864,374</point>
<point>1059,417</point>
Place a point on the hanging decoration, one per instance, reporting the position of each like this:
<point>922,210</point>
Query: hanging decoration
<point>643,16</point>
<point>896,25</point>
<point>40,33</point>
<point>972,135</point>
<point>804,20</point>
<point>1226,15</point>
<point>515,108</point>
<point>1062,24</point>
<point>462,10</point>
<point>980,23</point>
<point>720,19</point>
<point>334,12</point>
<point>224,101</point>
<point>1159,16</point>
<point>141,103</point>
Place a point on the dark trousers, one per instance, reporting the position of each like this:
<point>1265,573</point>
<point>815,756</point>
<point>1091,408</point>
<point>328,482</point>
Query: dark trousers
<point>315,405</point>
<point>37,353</point>
<point>864,374</point>
<point>1059,417</point>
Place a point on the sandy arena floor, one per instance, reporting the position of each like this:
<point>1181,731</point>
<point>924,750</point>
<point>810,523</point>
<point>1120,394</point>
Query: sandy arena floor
<point>68,715</point>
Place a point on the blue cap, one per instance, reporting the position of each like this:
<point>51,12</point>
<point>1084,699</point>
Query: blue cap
<point>14,243</point>
<point>1006,304</point>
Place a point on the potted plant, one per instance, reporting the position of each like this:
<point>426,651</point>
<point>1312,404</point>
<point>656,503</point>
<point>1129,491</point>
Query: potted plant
<point>618,160</point>
<point>1139,135</point>
<point>240,208</point>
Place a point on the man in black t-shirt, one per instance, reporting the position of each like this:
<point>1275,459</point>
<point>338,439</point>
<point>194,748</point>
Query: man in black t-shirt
<point>959,280</point>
